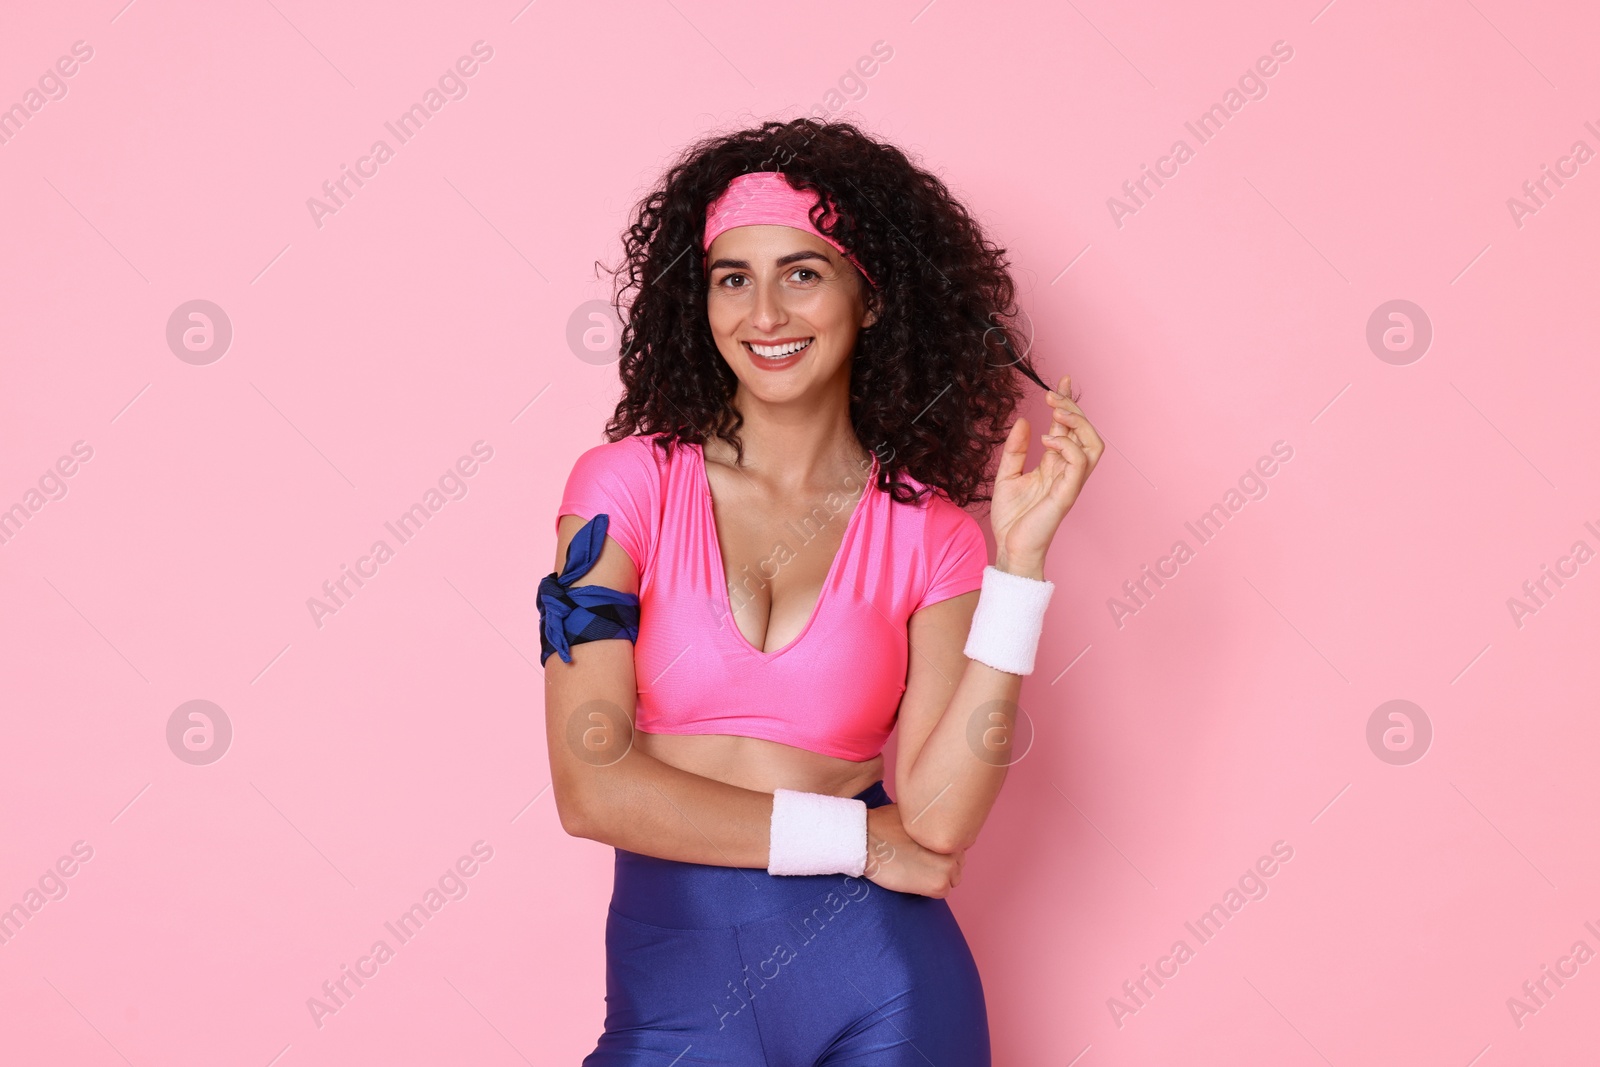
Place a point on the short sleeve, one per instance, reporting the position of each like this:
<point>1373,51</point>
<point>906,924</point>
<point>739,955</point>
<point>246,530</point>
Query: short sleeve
<point>620,478</point>
<point>957,553</point>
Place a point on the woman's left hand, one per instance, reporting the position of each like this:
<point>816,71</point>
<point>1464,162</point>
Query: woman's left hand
<point>1027,507</point>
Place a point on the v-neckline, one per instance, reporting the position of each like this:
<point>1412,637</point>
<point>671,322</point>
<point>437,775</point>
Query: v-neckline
<point>715,541</point>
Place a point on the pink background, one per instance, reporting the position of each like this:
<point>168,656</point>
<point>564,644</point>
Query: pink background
<point>432,311</point>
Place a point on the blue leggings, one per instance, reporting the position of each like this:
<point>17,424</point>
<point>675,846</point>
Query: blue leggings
<point>732,965</point>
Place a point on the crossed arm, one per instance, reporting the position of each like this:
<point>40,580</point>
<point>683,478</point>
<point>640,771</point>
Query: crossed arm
<point>608,791</point>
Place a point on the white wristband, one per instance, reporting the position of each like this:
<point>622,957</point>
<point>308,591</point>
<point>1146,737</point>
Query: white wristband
<point>813,833</point>
<point>1009,619</point>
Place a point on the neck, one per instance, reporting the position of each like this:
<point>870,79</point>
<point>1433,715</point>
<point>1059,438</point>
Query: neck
<point>800,443</point>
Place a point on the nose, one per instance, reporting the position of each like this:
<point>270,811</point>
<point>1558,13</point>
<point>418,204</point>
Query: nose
<point>769,312</point>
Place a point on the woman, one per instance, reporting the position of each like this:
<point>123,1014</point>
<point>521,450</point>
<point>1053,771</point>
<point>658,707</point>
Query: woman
<point>776,523</point>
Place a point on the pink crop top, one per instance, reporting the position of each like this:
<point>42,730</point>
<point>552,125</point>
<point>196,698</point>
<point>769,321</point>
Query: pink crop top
<point>835,688</point>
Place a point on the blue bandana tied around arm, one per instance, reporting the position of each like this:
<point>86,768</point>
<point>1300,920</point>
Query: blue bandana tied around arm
<point>571,615</point>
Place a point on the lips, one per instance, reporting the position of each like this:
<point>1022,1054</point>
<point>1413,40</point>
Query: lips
<point>780,349</point>
<point>789,357</point>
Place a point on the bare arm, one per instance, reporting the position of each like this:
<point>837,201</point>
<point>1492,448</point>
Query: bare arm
<point>606,790</point>
<point>958,716</point>
<point>957,723</point>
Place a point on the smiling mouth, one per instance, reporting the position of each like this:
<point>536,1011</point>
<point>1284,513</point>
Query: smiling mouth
<point>778,352</point>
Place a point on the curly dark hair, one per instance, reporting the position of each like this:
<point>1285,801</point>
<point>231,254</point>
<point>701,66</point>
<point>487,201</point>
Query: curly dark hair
<point>933,381</point>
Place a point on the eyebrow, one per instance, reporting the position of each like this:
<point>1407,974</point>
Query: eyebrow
<point>782,261</point>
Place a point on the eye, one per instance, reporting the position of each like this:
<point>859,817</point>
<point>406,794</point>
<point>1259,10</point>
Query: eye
<point>802,274</point>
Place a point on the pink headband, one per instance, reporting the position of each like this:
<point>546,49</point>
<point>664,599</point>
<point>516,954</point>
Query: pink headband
<point>765,198</point>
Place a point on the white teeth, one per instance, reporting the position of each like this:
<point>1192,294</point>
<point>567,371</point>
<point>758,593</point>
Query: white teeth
<point>779,351</point>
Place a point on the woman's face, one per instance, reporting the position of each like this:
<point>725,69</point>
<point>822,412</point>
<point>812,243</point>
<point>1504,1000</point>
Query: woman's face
<point>774,287</point>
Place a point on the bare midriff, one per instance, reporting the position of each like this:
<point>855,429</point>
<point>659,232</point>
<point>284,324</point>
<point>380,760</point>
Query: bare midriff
<point>758,764</point>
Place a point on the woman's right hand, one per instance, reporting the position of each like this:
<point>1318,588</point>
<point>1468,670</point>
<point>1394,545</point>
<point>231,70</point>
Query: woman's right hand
<point>897,862</point>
